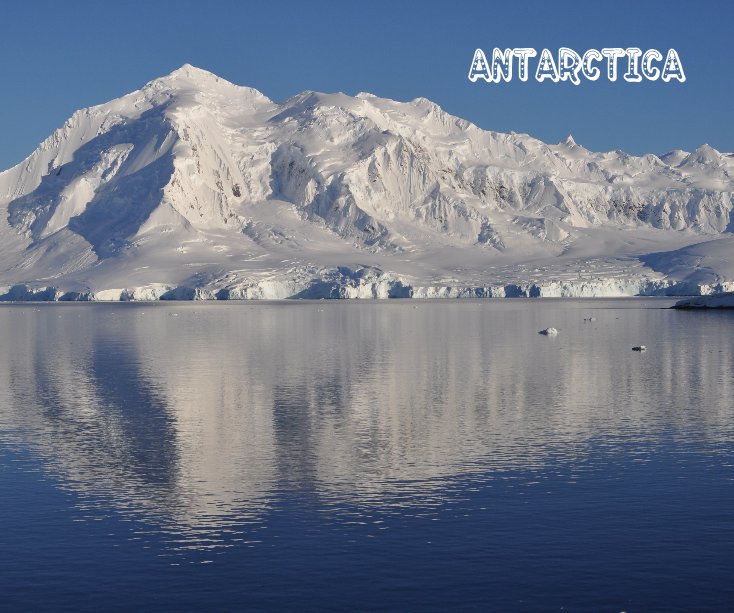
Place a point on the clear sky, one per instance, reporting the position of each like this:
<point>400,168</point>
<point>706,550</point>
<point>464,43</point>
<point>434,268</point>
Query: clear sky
<point>56,57</point>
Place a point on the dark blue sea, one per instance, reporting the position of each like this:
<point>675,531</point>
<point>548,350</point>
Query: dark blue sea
<point>386,455</point>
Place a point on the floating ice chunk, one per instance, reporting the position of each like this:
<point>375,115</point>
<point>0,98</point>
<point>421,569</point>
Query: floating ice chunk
<point>549,332</point>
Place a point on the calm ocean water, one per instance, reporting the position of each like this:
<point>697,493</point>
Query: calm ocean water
<point>366,455</point>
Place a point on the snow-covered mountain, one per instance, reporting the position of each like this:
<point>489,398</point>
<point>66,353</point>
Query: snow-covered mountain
<point>195,187</point>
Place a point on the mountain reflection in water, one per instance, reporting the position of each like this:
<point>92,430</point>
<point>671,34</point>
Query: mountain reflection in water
<point>198,419</point>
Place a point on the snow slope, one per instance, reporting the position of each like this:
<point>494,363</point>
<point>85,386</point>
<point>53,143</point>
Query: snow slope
<point>193,187</point>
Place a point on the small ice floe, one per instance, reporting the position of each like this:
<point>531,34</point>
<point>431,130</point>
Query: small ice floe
<point>549,332</point>
<point>639,348</point>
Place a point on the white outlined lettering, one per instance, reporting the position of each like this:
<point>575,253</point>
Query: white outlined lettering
<point>568,65</point>
<point>546,67</point>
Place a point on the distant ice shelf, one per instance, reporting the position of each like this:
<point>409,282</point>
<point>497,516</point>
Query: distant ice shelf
<point>717,301</point>
<point>340,285</point>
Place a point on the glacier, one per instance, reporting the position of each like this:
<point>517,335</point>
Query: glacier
<point>196,188</point>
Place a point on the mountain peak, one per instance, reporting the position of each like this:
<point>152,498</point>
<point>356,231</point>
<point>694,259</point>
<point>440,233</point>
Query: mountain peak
<point>188,77</point>
<point>188,71</point>
<point>707,149</point>
<point>703,155</point>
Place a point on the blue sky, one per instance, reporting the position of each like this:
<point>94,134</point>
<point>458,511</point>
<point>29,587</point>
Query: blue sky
<point>56,57</point>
